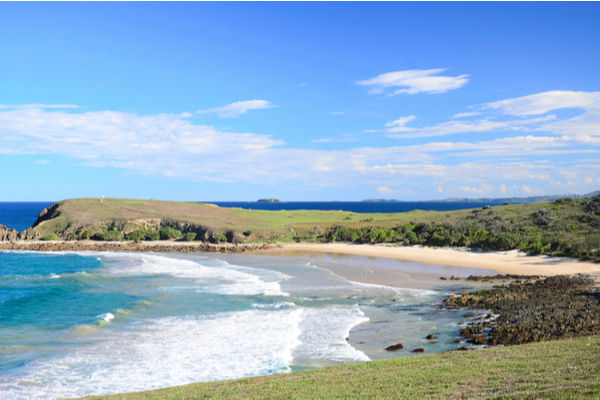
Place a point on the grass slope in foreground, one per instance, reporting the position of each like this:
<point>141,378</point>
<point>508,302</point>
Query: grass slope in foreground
<point>558,369</point>
<point>565,227</point>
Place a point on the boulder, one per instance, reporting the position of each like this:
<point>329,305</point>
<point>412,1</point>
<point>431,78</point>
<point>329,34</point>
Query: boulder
<point>394,347</point>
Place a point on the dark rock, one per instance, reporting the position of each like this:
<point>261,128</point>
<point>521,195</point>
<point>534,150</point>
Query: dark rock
<point>479,339</point>
<point>431,336</point>
<point>419,350</point>
<point>546,309</point>
<point>457,341</point>
<point>462,348</point>
<point>395,347</point>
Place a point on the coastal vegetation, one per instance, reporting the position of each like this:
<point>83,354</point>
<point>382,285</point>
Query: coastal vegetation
<point>557,369</point>
<point>564,227</point>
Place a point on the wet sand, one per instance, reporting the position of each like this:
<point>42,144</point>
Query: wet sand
<point>385,271</point>
<point>507,262</point>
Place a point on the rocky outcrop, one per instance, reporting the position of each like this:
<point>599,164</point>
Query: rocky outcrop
<point>47,213</point>
<point>557,307</point>
<point>7,235</point>
<point>137,246</point>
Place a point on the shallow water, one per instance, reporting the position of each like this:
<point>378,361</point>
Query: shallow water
<point>76,324</point>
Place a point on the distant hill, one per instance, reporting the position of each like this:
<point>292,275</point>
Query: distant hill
<point>382,201</point>
<point>269,201</point>
<point>530,199</point>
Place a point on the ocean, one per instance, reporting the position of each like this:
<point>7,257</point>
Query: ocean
<point>86,323</point>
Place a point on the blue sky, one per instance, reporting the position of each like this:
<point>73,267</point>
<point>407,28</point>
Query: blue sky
<point>298,101</point>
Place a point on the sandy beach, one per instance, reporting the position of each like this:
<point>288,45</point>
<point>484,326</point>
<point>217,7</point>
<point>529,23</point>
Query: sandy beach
<point>507,262</point>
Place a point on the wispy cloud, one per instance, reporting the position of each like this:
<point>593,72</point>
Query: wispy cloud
<point>465,115</point>
<point>171,145</point>
<point>484,188</point>
<point>414,81</point>
<point>384,190</point>
<point>335,140</point>
<point>234,110</point>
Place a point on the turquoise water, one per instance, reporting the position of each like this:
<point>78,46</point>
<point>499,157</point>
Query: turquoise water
<point>76,324</point>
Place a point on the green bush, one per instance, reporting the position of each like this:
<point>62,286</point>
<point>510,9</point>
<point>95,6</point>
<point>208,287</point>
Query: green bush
<point>153,235</point>
<point>50,236</point>
<point>248,232</point>
<point>167,233</point>
<point>138,234</point>
<point>220,238</point>
<point>189,237</point>
<point>108,236</point>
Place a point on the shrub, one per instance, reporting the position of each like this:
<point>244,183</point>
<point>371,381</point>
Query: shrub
<point>189,237</point>
<point>50,236</point>
<point>248,232</point>
<point>219,237</point>
<point>108,236</point>
<point>86,235</point>
<point>167,233</point>
<point>138,234</point>
<point>153,235</point>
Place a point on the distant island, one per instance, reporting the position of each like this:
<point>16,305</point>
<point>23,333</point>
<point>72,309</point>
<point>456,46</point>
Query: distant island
<point>382,201</point>
<point>530,199</point>
<point>269,201</point>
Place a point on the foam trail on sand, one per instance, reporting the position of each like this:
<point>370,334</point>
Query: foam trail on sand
<point>324,332</point>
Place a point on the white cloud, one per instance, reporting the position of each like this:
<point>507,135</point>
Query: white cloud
<point>542,103</point>
<point>585,127</point>
<point>415,81</point>
<point>464,115</point>
<point>484,188</point>
<point>400,122</point>
<point>439,189</point>
<point>589,179</point>
<point>384,190</point>
<point>526,189</point>
<point>503,188</point>
<point>469,189</point>
<point>234,110</point>
<point>171,145</point>
<point>41,162</point>
<point>454,127</point>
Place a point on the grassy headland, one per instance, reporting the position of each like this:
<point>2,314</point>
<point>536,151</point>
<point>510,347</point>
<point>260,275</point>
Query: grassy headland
<point>565,227</point>
<point>558,370</point>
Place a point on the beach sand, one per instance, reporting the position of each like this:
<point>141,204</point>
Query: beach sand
<point>411,272</point>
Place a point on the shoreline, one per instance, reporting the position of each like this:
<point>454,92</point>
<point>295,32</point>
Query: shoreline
<point>503,262</point>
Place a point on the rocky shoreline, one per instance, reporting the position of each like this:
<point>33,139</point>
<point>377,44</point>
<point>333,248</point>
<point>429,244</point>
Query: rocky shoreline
<point>530,310</point>
<point>137,246</point>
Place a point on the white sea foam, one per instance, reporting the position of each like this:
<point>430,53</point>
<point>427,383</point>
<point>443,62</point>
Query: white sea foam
<point>324,332</point>
<point>108,317</point>
<point>166,352</point>
<point>274,306</point>
<point>392,290</point>
<point>212,276</point>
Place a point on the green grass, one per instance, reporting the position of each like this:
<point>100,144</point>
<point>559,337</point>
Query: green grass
<point>557,370</point>
<point>567,228</point>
